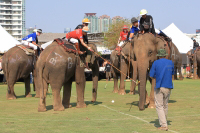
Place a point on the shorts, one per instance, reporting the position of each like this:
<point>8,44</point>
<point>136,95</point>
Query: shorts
<point>108,75</point>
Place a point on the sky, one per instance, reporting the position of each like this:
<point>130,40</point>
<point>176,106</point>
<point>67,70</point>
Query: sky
<point>55,15</point>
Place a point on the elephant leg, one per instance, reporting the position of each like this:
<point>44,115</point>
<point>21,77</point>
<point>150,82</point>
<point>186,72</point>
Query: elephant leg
<point>42,102</point>
<point>36,87</point>
<point>11,82</point>
<point>27,87</point>
<point>133,84</point>
<point>80,85</point>
<point>151,98</point>
<point>95,78</point>
<point>115,78</point>
<point>124,68</point>
<point>180,73</point>
<point>198,72</point>
<point>57,103</point>
<point>67,94</point>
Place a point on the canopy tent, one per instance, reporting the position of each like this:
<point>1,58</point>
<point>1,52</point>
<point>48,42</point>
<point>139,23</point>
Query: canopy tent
<point>104,50</point>
<point>6,40</point>
<point>182,42</point>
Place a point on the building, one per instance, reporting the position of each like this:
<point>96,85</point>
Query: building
<point>29,30</point>
<point>104,23</point>
<point>12,17</point>
<point>116,18</point>
<point>93,26</point>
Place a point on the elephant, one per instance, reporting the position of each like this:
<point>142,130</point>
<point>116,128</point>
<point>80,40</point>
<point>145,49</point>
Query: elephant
<point>122,63</point>
<point>17,64</point>
<point>176,57</point>
<point>94,65</point>
<point>58,68</point>
<point>145,47</point>
<point>195,61</point>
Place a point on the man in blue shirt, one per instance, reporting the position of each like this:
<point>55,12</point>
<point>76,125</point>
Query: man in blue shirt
<point>31,39</point>
<point>162,70</point>
<point>134,28</point>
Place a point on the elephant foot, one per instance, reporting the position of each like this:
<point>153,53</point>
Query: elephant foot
<point>37,96</point>
<point>152,106</point>
<point>132,93</point>
<point>29,95</point>
<point>10,96</point>
<point>93,100</point>
<point>59,108</point>
<point>81,105</point>
<point>67,106</point>
<point>115,91</point>
<point>122,92</point>
<point>42,108</point>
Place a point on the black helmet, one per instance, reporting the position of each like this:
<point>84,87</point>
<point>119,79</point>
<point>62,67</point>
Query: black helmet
<point>39,30</point>
<point>134,19</point>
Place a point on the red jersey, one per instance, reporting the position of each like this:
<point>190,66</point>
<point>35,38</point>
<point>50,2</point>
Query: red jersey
<point>187,68</point>
<point>76,34</point>
<point>123,35</point>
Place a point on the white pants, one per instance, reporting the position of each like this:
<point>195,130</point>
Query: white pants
<point>72,40</point>
<point>29,44</point>
<point>121,43</point>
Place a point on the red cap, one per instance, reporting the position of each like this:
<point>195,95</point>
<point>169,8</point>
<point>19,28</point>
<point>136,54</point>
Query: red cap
<point>125,27</point>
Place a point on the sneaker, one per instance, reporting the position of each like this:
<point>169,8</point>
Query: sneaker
<point>163,128</point>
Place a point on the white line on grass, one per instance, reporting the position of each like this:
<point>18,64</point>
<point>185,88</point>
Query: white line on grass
<point>131,116</point>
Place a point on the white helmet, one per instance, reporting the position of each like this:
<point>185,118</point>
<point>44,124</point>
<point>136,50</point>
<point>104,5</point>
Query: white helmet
<point>143,12</point>
<point>37,30</point>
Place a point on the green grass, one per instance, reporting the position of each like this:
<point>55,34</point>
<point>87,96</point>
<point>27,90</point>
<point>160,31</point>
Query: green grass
<point>21,115</point>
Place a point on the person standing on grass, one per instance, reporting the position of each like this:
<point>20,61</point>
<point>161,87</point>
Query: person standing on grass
<point>162,70</point>
<point>107,70</point>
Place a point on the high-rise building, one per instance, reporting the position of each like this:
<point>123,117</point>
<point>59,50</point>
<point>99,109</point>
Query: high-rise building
<point>93,26</point>
<point>12,17</point>
<point>116,18</point>
<point>104,23</point>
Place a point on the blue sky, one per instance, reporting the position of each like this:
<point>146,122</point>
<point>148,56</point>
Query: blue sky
<point>55,15</point>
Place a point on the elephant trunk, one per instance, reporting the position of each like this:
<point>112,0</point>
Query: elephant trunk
<point>142,69</point>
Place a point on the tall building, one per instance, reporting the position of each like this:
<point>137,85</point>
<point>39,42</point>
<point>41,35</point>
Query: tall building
<point>12,17</point>
<point>116,18</point>
<point>104,23</point>
<point>93,26</point>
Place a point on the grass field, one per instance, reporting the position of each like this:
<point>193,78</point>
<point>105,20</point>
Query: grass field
<point>103,116</point>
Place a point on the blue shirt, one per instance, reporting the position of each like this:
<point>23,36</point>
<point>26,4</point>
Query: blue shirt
<point>162,70</point>
<point>135,29</point>
<point>31,37</point>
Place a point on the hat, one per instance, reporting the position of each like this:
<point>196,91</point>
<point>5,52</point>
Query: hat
<point>134,20</point>
<point>85,29</point>
<point>162,52</point>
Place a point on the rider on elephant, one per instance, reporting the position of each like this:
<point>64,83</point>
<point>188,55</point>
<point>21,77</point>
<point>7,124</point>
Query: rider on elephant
<point>134,27</point>
<point>195,46</point>
<point>31,39</point>
<point>76,37</point>
<point>85,22</point>
<point>122,38</point>
<point>146,22</point>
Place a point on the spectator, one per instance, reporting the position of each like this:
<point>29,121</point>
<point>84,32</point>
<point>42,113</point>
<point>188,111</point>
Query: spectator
<point>162,70</point>
<point>188,71</point>
<point>195,46</point>
<point>107,70</point>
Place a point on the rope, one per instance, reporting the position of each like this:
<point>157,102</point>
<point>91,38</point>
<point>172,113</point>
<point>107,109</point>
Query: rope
<point>115,67</point>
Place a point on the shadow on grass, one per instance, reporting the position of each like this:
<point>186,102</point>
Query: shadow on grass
<point>172,101</point>
<point>127,91</point>
<point>21,96</point>
<point>156,122</point>
<point>50,107</point>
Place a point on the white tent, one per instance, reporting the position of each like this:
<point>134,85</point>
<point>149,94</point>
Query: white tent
<point>182,42</point>
<point>6,40</point>
<point>103,50</point>
<point>46,44</point>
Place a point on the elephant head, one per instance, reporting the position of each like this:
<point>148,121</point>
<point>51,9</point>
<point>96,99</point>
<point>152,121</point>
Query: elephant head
<point>145,47</point>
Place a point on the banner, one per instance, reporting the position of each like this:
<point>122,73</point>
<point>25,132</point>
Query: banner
<point>197,31</point>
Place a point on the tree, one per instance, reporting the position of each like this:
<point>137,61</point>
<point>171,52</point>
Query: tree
<point>112,35</point>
